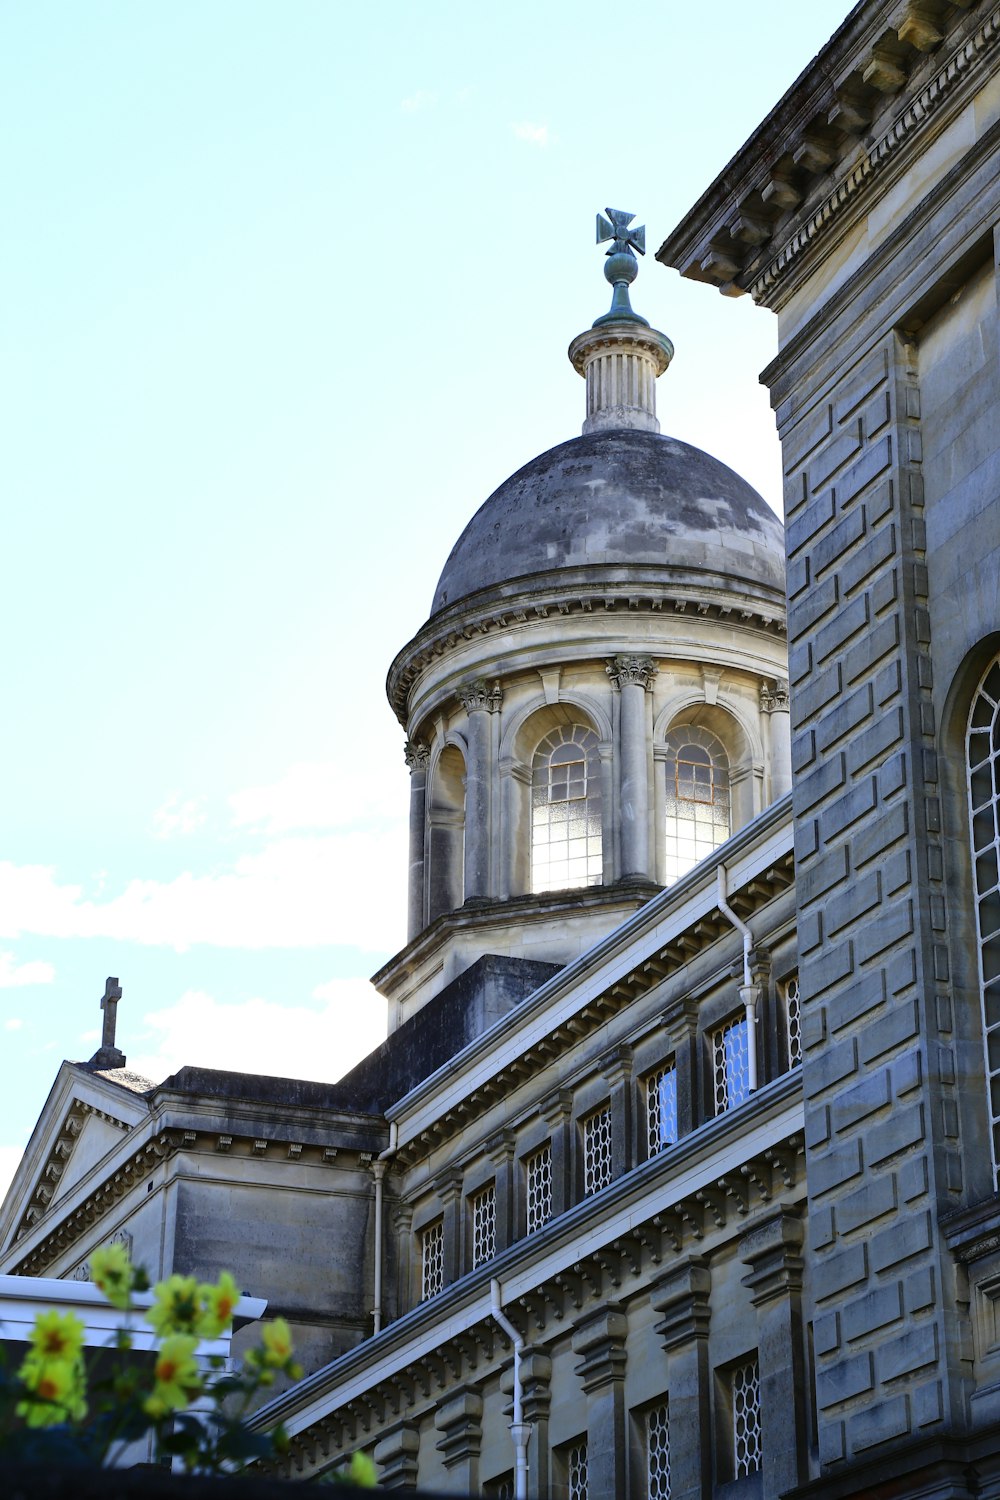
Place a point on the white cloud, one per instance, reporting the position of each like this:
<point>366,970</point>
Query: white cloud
<point>314,795</point>
<point>13,1023</point>
<point>422,99</point>
<point>10,1160</point>
<point>319,1041</point>
<point>178,816</point>
<point>13,975</point>
<point>536,135</point>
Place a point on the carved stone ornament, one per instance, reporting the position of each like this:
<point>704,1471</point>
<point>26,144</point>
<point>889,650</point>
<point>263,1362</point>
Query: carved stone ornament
<point>774,696</point>
<point>639,670</point>
<point>480,695</point>
<point>416,755</point>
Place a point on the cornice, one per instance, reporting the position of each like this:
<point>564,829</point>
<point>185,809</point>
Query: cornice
<point>51,1171</point>
<point>752,228</point>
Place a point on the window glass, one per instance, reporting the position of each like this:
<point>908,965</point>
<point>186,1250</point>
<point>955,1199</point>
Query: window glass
<point>566,810</point>
<point>697,800</point>
<point>983,769</point>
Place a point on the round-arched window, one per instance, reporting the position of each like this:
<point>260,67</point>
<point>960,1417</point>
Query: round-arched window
<point>697,798</point>
<point>566,810</point>
<point>983,769</point>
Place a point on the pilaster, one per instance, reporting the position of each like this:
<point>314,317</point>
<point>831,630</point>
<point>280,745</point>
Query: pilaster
<point>599,1338</point>
<point>556,1110</point>
<point>448,1187</point>
<point>459,1420</point>
<point>682,1298</point>
<point>680,1025</point>
<point>773,1252</point>
<point>396,1455</point>
<point>501,1153</point>
<point>616,1068</point>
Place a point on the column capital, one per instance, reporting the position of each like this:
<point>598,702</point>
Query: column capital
<point>600,1338</point>
<point>480,696</point>
<point>774,696</point>
<point>773,1251</point>
<point>448,1185</point>
<point>416,754</point>
<point>639,670</point>
<point>682,1297</point>
<point>616,1065</point>
<point>459,1419</point>
<point>680,1019</point>
<point>556,1106</point>
<point>395,1453</point>
<point>500,1147</point>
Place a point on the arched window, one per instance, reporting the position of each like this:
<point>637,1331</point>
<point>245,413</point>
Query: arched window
<point>697,798</point>
<point>983,767</point>
<point>566,810</point>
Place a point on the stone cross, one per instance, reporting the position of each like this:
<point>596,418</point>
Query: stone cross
<point>615,227</point>
<point>109,1005</point>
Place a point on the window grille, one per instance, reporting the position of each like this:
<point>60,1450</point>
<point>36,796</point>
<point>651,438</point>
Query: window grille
<point>983,766</point>
<point>538,1195</point>
<point>731,1064</point>
<point>658,1453</point>
<point>697,770</point>
<point>432,1259</point>
<point>597,1150</point>
<point>484,1225</point>
<point>566,810</point>
<point>576,1472</point>
<point>661,1108</point>
<point>746,1419</point>
<point>793,1019</point>
<point>500,1489</point>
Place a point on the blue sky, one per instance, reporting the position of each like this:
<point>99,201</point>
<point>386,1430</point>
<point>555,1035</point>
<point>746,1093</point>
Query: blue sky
<point>287,293</point>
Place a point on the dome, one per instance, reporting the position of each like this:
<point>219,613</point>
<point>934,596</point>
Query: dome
<point>619,499</point>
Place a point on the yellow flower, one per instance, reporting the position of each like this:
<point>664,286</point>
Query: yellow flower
<point>277,1340</point>
<point>176,1308</point>
<point>218,1304</point>
<point>175,1376</point>
<point>56,1336</point>
<point>56,1387</point>
<point>111,1270</point>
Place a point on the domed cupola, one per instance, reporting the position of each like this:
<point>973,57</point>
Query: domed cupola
<point>599,698</point>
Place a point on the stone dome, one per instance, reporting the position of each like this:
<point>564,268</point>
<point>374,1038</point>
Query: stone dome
<point>622,500</point>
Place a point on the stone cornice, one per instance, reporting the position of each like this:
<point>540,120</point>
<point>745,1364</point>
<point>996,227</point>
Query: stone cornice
<point>819,152</point>
<point>500,609</point>
<point>57,1160</point>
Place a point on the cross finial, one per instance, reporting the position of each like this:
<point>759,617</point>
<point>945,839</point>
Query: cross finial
<point>621,267</point>
<point>109,1005</point>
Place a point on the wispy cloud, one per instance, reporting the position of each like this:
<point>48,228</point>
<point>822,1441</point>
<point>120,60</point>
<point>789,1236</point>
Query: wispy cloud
<point>319,1041</point>
<point>13,975</point>
<point>311,795</point>
<point>10,1158</point>
<point>13,1023</point>
<point>422,99</point>
<point>535,135</point>
<point>178,816</point>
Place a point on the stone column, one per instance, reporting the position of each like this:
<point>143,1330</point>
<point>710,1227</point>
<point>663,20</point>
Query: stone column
<point>633,677</point>
<point>449,1189</point>
<point>536,1399</point>
<point>680,1023</point>
<point>501,1152</point>
<point>480,701</point>
<point>616,1066</point>
<point>772,1250</point>
<point>681,1296</point>
<point>599,1338</point>
<point>555,1110</point>
<point>774,703</point>
<point>459,1419</point>
<point>402,1222</point>
<point>417,755</point>
<point>396,1454</point>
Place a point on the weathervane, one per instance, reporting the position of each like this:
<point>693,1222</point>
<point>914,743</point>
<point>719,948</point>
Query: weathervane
<point>621,267</point>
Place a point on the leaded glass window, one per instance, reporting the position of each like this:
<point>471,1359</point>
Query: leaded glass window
<point>658,1453</point>
<point>661,1108</point>
<point>731,1064</point>
<point>746,1419</point>
<point>432,1259</point>
<point>697,770</point>
<point>566,810</point>
<point>576,1472</point>
<point>484,1225</point>
<point>793,1019</point>
<point>538,1188</point>
<point>983,764</point>
<point>597,1150</point>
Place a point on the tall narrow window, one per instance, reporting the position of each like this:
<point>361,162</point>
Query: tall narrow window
<point>661,1108</point>
<point>983,761</point>
<point>731,1064</point>
<point>658,1453</point>
<point>745,1392</point>
<point>484,1225</point>
<point>538,1188</point>
<point>576,1472</point>
<point>697,769</point>
<point>566,810</point>
<point>597,1160</point>
<point>789,992</point>
<point>432,1259</point>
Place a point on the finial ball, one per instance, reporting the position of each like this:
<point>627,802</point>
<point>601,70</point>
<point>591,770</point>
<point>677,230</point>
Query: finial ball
<point>621,266</point>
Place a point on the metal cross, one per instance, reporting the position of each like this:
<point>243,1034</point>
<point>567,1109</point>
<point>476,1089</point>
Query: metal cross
<point>615,227</point>
<point>109,1005</point>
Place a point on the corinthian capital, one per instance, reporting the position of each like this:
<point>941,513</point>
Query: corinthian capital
<point>632,669</point>
<point>416,755</point>
<point>480,695</point>
<point>774,696</point>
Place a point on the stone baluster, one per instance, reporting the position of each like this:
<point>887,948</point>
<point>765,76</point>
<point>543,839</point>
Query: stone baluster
<point>480,701</point>
<point>681,1297</point>
<point>633,677</point>
<point>417,755</point>
<point>599,1338</point>
<point>773,1252</point>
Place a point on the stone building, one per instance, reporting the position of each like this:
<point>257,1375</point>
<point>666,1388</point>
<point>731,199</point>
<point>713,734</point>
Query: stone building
<point>677,1173</point>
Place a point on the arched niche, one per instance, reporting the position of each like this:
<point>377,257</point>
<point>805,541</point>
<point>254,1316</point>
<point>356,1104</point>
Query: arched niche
<point>555,775</point>
<point>446,830</point>
<point>709,765</point>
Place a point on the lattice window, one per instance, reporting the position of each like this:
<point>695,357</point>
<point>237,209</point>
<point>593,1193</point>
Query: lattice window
<point>597,1150</point>
<point>566,810</point>
<point>576,1472</point>
<point>500,1489</point>
<point>658,1453</point>
<point>745,1389</point>
<point>983,764</point>
<point>731,1064</point>
<point>698,820</point>
<point>538,1189</point>
<point>661,1108</point>
<point>793,1019</point>
<point>484,1225</point>
<point>432,1259</point>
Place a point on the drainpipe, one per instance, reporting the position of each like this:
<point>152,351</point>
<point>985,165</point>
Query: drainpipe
<point>749,992</point>
<point>520,1431</point>
<point>378,1171</point>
